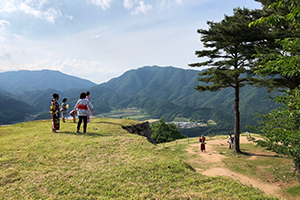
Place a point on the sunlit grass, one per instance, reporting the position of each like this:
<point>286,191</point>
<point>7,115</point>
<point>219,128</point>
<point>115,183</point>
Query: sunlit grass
<point>105,163</point>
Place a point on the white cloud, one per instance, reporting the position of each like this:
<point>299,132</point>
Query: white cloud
<point>142,8</point>
<point>34,9</point>
<point>8,7</point>
<point>51,14</point>
<point>170,3</point>
<point>96,36</point>
<point>128,4</point>
<point>3,24</point>
<point>105,4</point>
<point>31,11</point>
<point>4,54</point>
<point>70,17</point>
<point>40,3</point>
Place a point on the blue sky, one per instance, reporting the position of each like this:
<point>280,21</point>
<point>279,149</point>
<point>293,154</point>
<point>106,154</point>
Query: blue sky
<point>101,39</point>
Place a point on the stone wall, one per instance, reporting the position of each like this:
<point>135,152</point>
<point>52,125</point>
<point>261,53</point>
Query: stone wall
<point>142,129</point>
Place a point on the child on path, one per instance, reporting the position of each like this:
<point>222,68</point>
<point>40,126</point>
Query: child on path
<point>54,110</point>
<point>64,109</point>
<point>202,143</point>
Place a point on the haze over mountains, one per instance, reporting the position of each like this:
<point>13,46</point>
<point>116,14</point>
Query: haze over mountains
<point>160,91</point>
<point>24,80</point>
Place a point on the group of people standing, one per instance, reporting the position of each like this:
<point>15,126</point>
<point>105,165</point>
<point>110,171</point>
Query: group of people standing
<point>202,142</point>
<point>83,108</point>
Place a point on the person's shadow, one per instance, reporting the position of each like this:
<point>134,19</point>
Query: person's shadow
<point>91,134</point>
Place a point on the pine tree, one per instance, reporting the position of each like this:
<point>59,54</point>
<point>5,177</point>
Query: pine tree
<point>230,45</point>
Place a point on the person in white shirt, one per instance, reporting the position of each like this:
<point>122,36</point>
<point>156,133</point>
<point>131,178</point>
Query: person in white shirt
<point>82,106</point>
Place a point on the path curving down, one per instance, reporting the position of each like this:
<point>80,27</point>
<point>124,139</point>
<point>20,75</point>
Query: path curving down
<point>213,158</point>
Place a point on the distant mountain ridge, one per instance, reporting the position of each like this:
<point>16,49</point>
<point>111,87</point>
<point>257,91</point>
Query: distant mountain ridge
<point>166,92</point>
<point>25,80</point>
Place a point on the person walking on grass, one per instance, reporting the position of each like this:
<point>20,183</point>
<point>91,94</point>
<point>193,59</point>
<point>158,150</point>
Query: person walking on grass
<point>54,110</point>
<point>202,143</point>
<point>82,107</point>
<point>64,109</point>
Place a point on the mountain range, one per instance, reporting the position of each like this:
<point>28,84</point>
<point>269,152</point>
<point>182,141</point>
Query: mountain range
<point>24,80</point>
<point>166,92</point>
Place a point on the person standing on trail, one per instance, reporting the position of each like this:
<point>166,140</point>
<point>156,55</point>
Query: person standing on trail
<point>230,141</point>
<point>202,143</point>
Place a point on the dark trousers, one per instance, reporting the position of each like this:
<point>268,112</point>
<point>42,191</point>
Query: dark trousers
<point>84,118</point>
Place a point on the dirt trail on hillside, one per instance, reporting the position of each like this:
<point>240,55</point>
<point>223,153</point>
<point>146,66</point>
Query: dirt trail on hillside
<point>213,159</point>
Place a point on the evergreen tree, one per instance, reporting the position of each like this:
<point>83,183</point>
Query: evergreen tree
<point>230,47</point>
<point>163,132</point>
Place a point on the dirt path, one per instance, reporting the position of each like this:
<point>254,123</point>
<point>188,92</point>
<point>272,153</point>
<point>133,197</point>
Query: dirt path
<point>213,159</point>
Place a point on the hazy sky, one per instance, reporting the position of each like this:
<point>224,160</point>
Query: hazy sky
<point>101,39</point>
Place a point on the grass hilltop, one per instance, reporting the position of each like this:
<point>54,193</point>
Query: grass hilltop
<point>105,163</point>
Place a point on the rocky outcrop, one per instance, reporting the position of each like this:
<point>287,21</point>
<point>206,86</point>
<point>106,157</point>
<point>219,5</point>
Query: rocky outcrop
<point>142,129</point>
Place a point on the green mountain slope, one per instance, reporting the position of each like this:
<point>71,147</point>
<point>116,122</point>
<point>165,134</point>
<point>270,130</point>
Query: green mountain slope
<point>24,80</point>
<point>176,86</point>
<point>12,110</point>
<point>41,100</point>
<point>105,163</point>
<point>165,92</point>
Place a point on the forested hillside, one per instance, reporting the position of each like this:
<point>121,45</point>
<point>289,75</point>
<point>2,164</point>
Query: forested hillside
<point>19,81</point>
<point>169,91</point>
<point>12,110</point>
<point>166,92</point>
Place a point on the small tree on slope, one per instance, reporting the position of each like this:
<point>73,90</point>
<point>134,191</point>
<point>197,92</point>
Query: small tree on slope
<point>163,132</point>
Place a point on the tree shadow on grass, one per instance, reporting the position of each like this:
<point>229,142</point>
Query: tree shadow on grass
<point>107,123</point>
<point>260,155</point>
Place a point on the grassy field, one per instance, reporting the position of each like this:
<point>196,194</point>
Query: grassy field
<point>105,163</point>
<point>134,114</point>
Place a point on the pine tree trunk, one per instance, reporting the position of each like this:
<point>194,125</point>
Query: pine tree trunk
<point>236,143</point>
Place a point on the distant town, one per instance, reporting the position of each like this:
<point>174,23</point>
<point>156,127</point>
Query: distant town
<point>188,124</point>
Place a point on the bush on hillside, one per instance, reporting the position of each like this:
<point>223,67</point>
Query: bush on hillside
<point>163,132</point>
